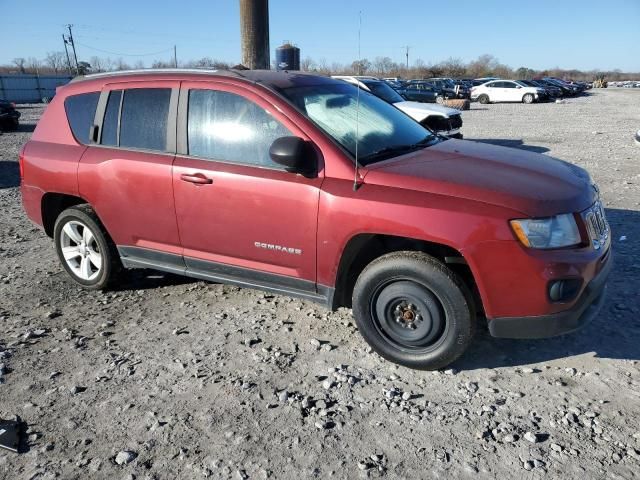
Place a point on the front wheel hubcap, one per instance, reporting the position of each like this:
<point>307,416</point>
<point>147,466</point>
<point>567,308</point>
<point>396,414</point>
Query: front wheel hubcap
<point>80,250</point>
<point>408,315</point>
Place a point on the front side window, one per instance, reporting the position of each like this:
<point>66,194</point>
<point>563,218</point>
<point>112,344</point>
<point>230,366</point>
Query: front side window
<point>81,110</point>
<point>228,127</point>
<point>382,131</point>
<point>144,117</point>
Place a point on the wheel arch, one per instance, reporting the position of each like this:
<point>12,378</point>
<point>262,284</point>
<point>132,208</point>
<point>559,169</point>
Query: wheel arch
<point>363,248</point>
<point>53,204</point>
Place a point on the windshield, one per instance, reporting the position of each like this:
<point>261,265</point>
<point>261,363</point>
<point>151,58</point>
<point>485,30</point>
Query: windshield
<point>384,91</point>
<point>449,83</point>
<point>383,130</point>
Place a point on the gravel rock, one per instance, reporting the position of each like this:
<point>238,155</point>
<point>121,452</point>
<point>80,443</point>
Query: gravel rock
<point>125,457</point>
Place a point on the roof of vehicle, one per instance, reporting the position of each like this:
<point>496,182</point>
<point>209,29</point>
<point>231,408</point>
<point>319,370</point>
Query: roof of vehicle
<point>270,78</point>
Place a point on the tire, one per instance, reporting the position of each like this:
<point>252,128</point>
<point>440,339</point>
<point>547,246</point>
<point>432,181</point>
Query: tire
<point>414,311</point>
<point>483,99</point>
<point>528,98</point>
<point>92,258</point>
<point>440,99</point>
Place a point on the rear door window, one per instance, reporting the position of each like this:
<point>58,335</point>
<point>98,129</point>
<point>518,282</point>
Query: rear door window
<point>81,110</point>
<point>144,118</point>
<point>111,119</point>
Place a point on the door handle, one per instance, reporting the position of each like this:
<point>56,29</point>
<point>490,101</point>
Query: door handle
<point>197,178</point>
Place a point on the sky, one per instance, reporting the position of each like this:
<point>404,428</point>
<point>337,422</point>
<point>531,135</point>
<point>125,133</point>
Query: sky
<point>538,34</point>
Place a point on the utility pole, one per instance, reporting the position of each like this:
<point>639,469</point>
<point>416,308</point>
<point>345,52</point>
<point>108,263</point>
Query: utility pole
<point>175,57</point>
<point>66,50</point>
<point>73,45</point>
<point>407,55</point>
<point>254,31</point>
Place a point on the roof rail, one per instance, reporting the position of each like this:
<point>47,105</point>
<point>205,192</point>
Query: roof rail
<point>151,71</point>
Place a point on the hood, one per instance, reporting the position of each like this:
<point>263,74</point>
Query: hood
<point>419,111</point>
<point>531,183</point>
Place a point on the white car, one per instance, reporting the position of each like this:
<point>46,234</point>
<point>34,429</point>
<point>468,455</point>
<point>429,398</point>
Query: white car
<point>443,120</point>
<point>506,91</point>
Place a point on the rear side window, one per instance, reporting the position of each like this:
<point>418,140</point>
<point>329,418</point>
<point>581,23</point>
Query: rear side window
<point>81,110</point>
<point>143,122</point>
<point>227,127</point>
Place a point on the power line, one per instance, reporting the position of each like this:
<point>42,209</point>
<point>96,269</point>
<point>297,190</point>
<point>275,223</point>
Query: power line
<point>125,54</point>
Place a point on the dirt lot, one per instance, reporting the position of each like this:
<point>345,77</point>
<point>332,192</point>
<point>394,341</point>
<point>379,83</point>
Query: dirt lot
<point>171,378</point>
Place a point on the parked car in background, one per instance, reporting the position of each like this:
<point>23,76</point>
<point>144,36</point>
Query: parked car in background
<point>505,91</point>
<point>9,116</point>
<point>449,88</point>
<point>250,179</point>
<point>420,91</point>
<point>551,90</point>
<point>570,90</point>
<point>396,85</point>
<point>482,80</point>
<point>442,120</point>
<point>565,90</point>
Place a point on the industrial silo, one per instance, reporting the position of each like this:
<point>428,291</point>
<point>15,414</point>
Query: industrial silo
<point>287,57</point>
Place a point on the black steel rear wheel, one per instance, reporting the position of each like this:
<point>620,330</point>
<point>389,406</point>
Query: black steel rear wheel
<point>413,310</point>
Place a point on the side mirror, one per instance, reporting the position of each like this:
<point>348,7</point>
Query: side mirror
<point>295,154</point>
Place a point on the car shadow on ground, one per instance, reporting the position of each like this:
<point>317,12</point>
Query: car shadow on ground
<point>145,279</point>
<point>511,143</point>
<point>614,333</point>
<point>25,128</point>
<point>9,174</point>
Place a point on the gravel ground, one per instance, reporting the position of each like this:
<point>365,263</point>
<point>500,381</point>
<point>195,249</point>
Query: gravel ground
<point>171,378</point>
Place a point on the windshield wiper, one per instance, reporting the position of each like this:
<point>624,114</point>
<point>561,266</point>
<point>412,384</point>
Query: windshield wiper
<point>389,152</point>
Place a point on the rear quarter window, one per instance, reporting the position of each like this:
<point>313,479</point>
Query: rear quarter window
<point>81,110</point>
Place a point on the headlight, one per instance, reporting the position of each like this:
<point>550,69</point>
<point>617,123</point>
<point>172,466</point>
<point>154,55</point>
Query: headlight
<point>553,232</point>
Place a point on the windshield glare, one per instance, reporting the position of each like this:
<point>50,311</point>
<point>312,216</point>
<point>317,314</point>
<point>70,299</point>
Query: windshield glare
<point>380,126</point>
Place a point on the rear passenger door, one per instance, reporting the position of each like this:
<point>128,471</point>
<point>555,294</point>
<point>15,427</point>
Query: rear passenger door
<point>497,92</point>
<point>512,92</point>
<point>241,216</point>
<point>126,172</point>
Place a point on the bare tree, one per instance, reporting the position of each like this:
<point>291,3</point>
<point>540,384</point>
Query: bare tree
<point>323,67</point>
<point>360,67</point>
<point>483,66</point>
<point>33,65</point>
<point>306,64</point>
<point>382,65</point>
<point>97,64</point>
<point>139,65</point>
<point>56,61</point>
<point>120,64</point>
<point>19,62</point>
<point>453,67</point>
<point>163,64</point>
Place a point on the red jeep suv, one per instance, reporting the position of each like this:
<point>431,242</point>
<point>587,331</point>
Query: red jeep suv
<point>304,185</point>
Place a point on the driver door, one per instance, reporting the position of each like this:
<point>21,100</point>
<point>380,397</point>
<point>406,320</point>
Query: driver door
<point>241,216</point>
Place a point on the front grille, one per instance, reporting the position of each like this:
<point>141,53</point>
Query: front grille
<point>597,225</point>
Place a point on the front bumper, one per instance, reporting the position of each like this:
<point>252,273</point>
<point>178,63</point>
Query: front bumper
<point>543,326</point>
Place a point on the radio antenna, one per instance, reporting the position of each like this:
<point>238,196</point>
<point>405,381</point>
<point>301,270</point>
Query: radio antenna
<point>356,185</point>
